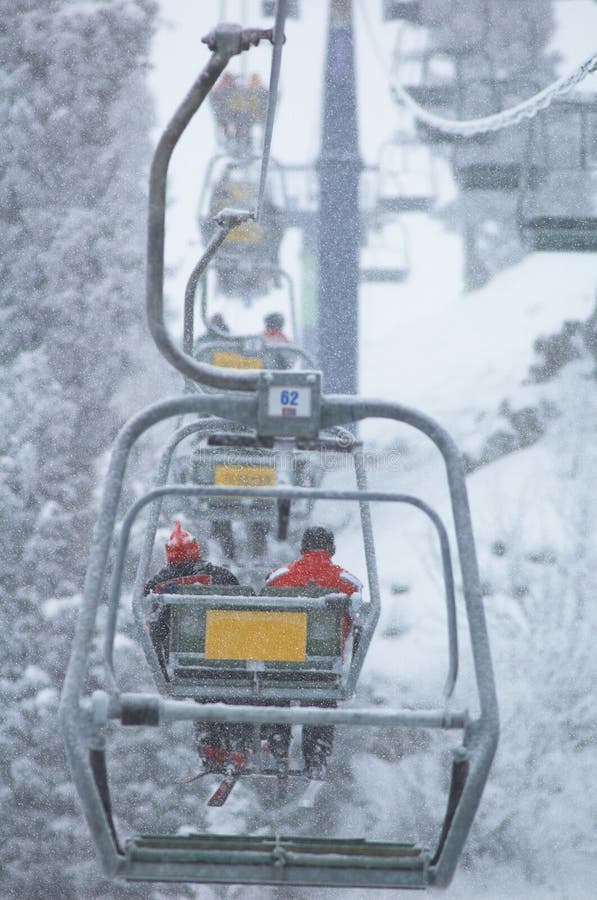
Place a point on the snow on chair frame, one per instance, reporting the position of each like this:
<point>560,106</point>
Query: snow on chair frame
<point>479,735</point>
<point>251,859</point>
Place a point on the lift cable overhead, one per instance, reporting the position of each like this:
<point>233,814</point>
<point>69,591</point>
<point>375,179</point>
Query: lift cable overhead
<point>528,109</point>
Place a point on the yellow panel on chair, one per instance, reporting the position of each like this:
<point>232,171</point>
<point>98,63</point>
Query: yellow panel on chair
<point>225,359</point>
<point>245,476</point>
<point>264,636</point>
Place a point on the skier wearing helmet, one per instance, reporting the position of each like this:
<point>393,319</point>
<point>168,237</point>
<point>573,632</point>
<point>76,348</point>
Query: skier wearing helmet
<point>315,568</point>
<point>274,323</point>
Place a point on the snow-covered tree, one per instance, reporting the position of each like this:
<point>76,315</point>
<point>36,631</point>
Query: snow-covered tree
<point>73,161</point>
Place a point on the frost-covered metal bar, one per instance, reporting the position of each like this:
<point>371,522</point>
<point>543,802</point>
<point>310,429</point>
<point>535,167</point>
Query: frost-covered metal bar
<point>484,735</point>
<point>159,710</point>
<point>226,41</point>
<point>366,635</point>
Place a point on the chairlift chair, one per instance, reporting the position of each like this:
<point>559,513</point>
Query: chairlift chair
<point>402,11</point>
<point>496,161</point>
<point>286,406</point>
<point>385,261</point>
<point>559,211</point>
<point>405,176</point>
<point>249,258</point>
<point>239,104</point>
<point>206,663</point>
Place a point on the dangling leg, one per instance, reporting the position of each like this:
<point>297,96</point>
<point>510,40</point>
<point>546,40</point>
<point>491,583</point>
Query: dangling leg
<point>317,743</point>
<point>278,740</point>
<point>221,531</point>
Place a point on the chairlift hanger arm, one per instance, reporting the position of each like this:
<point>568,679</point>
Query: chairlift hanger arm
<point>225,41</point>
<point>278,42</point>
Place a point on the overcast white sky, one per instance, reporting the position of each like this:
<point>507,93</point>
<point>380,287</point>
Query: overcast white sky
<point>178,56</point>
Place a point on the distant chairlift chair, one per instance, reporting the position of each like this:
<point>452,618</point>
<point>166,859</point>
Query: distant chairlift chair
<point>405,178</point>
<point>384,259</point>
<point>559,211</point>
<point>402,10</point>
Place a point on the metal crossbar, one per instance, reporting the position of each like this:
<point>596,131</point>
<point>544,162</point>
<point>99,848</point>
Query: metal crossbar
<point>160,710</point>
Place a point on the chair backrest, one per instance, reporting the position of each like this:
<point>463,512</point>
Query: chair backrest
<point>308,590</point>
<point>217,590</point>
<point>319,628</point>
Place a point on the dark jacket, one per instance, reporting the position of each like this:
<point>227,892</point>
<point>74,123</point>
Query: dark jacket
<point>172,577</point>
<point>172,580</point>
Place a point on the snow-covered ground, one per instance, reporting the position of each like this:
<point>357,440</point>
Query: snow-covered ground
<point>457,357</point>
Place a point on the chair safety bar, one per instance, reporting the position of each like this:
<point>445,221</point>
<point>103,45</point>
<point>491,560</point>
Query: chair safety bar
<point>147,709</point>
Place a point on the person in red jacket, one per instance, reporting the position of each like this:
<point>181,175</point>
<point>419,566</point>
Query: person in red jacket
<point>274,323</point>
<point>315,568</point>
<point>215,741</point>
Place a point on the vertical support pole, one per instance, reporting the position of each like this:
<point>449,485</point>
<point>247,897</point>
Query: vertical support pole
<point>309,289</point>
<point>339,216</point>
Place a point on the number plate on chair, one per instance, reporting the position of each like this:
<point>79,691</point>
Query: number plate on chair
<point>263,636</point>
<point>289,401</point>
<point>289,404</point>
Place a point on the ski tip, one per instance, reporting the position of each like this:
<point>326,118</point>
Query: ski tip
<point>187,779</point>
<point>221,794</point>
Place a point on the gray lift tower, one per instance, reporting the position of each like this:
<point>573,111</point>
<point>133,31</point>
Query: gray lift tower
<point>339,226</point>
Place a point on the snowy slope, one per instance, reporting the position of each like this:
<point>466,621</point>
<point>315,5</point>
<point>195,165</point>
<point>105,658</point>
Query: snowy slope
<point>458,356</point>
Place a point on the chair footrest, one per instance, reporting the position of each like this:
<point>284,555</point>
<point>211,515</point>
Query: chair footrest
<point>268,860</point>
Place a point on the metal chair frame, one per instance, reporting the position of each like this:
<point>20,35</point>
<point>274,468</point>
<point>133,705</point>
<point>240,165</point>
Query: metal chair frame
<point>251,859</point>
<point>84,721</point>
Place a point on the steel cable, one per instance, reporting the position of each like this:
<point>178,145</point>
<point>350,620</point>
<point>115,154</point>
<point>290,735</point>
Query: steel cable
<point>528,109</point>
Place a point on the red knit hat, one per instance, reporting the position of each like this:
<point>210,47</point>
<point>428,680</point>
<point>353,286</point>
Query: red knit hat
<point>182,546</point>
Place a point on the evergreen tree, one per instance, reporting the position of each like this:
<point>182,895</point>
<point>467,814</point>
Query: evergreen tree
<point>74,113</point>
